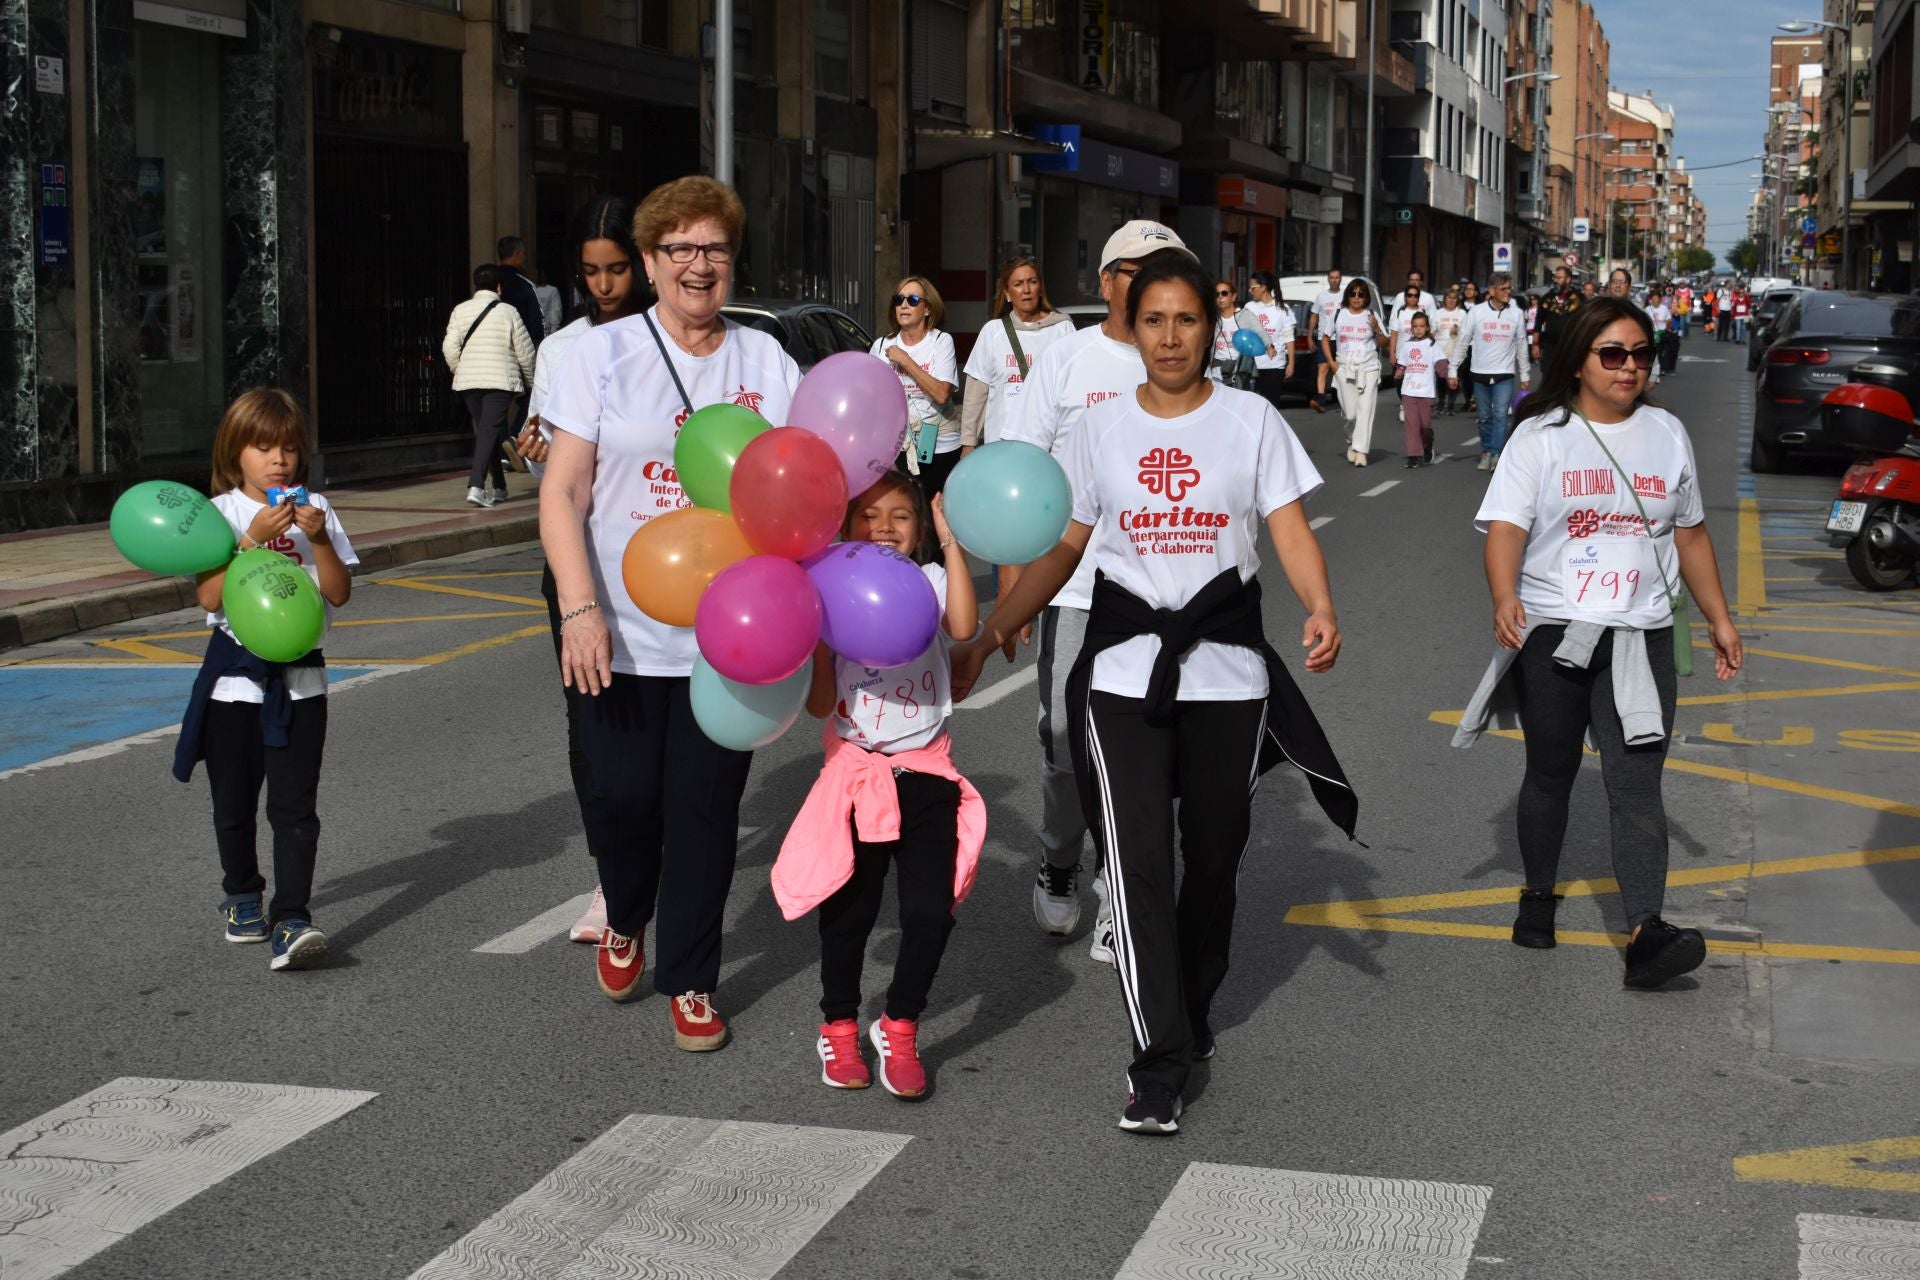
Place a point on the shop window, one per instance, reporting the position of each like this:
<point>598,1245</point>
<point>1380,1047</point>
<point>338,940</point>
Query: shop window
<point>177,239</point>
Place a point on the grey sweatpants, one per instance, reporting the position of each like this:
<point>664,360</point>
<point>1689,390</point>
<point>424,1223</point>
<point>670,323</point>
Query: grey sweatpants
<point>1063,828</point>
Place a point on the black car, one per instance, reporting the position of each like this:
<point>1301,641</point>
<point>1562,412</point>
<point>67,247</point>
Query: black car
<point>1766,314</point>
<point>1818,339</point>
<point>810,331</point>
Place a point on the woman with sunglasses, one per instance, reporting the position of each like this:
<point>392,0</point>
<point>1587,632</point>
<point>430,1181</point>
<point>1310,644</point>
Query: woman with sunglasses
<point>1593,521</point>
<point>1229,364</point>
<point>922,354</point>
<point>662,801</point>
<point>1024,324</point>
<point>1352,349</point>
<point>1275,318</point>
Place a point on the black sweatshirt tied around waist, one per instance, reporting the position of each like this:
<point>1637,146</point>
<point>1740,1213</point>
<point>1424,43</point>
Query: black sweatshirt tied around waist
<point>1225,611</point>
<point>226,657</point>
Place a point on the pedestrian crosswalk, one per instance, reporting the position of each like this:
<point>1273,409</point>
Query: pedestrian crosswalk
<point>671,1196</point>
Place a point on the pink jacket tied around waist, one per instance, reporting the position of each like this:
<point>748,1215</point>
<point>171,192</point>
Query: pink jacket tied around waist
<point>817,856</point>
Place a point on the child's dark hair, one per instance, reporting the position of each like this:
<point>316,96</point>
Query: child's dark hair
<point>263,415</point>
<point>1170,266</point>
<point>926,547</point>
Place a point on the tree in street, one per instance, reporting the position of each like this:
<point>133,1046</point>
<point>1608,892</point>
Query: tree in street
<point>1693,260</point>
<point>1744,257</point>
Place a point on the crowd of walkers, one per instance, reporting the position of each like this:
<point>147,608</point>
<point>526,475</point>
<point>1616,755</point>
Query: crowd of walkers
<point>1157,678</point>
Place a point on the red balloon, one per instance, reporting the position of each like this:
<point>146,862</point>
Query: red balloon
<point>788,493</point>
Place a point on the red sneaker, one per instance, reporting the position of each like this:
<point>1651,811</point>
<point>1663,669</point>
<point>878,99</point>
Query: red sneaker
<point>841,1066</point>
<point>619,963</point>
<point>697,1027</point>
<point>900,1069</point>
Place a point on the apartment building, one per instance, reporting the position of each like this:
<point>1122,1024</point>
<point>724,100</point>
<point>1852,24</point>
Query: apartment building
<point>1635,195</point>
<point>1893,173</point>
<point>1530,136</point>
<point>1576,165</point>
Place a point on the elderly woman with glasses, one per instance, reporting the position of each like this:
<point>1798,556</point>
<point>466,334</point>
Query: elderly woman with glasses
<point>1594,521</point>
<point>662,801</point>
<point>922,353</point>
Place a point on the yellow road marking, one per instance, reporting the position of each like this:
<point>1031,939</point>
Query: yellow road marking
<point>1838,1166</point>
<point>1813,659</point>
<point>461,577</point>
<point>418,584</point>
<point>1750,567</point>
<point>150,652</point>
<point>1764,626</point>
<point>1788,695</point>
<point>1793,735</point>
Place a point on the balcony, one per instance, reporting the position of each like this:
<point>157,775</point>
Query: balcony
<point>1435,73</point>
<point>1530,208</point>
<point>1393,73</point>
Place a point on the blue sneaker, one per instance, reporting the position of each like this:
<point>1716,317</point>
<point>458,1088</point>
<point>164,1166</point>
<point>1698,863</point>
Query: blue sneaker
<point>246,921</point>
<point>297,945</point>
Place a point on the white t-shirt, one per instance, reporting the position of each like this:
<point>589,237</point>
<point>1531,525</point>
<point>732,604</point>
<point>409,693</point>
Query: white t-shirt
<point>993,363</point>
<point>302,682</point>
<point>1276,322</point>
<point>1225,354</point>
<point>616,395</point>
<point>1447,325</point>
<point>1585,540</point>
<point>1419,357</point>
<point>1496,340</point>
<point>1354,339</point>
<point>1661,315</point>
<point>1175,502</point>
<point>1327,305</point>
<point>934,354</point>
<point>1080,371</point>
<point>549,360</point>
<point>1428,304</point>
<point>893,709</point>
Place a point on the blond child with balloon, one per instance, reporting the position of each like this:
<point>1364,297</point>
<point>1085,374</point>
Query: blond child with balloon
<point>258,713</point>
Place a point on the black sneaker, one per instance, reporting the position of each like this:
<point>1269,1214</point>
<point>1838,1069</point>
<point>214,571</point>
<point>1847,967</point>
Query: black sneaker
<point>1661,953</point>
<point>1153,1108</point>
<point>1203,1046</point>
<point>1412,463</point>
<point>1533,927</point>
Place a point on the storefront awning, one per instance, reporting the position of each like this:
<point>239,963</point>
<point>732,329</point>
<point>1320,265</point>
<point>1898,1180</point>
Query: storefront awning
<point>938,148</point>
<point>216,17</point>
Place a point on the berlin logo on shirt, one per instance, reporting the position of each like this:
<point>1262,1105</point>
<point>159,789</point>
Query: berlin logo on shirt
<point>1169,471</point>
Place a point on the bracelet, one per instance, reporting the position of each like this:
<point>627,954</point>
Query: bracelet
<point>252,545</point>
<point>946,544</point>
<point>571,614</point>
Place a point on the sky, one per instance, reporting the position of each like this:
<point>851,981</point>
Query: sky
<point>1708,60</point>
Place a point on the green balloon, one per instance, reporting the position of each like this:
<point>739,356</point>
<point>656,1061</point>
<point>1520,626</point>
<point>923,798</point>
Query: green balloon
<point>170,528</point>
<point>272,606</point>
<point>709,445</point>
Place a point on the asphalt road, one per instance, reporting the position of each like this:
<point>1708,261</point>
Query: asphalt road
<point>1398,1091</point>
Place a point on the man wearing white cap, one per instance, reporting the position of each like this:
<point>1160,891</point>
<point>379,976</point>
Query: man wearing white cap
<point>1067,379</point>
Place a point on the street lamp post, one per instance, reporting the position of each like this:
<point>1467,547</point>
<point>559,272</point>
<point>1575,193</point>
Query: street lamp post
<point>1846,191</point>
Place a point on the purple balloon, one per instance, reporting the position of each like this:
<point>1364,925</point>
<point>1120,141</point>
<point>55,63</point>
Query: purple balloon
<point>758,620</point>
<point>880,610</point>
<point>855,403</point>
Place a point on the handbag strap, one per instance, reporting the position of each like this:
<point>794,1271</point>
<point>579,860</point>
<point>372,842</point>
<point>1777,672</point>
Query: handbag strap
<point>476,323</point>
<point>1639,506</point>
<point>1013,339</point>
<point>671,371</point>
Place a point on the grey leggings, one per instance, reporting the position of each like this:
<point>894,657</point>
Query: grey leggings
<point>1558,705</point>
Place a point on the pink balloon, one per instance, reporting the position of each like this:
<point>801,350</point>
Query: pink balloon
<point>855,403</point>
<point>788,493</point>
<point>759,620</point>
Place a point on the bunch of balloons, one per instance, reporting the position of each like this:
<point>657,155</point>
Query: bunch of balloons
<point>273,607</point>
<point>753,566</point>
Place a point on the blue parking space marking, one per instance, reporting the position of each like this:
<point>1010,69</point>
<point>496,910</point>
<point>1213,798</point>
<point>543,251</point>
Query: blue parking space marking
<point>50,711</point>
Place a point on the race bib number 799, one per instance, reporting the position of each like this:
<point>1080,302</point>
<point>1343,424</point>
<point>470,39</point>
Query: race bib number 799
<point>1605,575</point>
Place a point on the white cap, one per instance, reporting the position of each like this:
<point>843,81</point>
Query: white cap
<point>1141,239</point>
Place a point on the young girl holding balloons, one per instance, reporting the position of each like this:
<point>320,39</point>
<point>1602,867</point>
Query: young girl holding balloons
<point>256,720</point>
<point>888,793</point>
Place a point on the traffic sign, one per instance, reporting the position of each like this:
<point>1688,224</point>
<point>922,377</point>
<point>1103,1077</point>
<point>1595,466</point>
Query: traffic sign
<point>1572,258</point>
<point>1582,230</point>
<point>1503,257</point>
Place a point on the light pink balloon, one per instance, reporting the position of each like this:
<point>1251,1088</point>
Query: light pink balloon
<point>758,620</point>
<point>855,403</point>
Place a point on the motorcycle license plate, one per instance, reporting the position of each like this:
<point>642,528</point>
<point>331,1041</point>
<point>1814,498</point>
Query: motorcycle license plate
<point>1846,517</point>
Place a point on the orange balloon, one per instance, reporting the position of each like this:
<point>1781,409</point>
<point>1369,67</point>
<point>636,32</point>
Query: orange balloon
<point>671,558</point>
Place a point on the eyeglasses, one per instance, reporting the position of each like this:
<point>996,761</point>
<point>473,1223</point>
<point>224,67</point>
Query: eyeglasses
<point>1223,293</point>
<point>681,254</point>
<point>907,299</point>
<point>1614,357</point>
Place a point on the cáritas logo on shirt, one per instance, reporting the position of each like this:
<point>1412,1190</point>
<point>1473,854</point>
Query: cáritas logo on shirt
<point>1169,473</point>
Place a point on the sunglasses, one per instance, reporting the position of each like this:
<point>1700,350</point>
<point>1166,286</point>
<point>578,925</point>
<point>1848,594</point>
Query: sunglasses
<point>1223,293</point>
<point>1615,357</point>
<point>907,299</point>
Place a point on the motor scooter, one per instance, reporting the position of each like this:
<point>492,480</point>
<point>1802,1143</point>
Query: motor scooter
<point>1877,515</point>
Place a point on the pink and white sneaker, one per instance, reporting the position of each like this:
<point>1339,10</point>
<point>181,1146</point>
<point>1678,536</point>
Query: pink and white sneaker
<point>589,926</point>
<point>900,1071</point>
<point>841,1064</point>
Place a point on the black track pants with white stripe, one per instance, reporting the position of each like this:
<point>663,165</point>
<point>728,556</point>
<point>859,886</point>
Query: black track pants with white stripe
<point>1172,952</point>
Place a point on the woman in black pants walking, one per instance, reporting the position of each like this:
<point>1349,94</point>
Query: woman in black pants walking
<point>1176,683</point>
<point>1593,521</point>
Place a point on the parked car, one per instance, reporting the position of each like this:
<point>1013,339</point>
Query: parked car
<point>1766,314</point>
<point>810,331</point>
<point>1818,339</point>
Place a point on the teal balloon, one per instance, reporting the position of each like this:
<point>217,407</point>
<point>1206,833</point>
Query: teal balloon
<point>746,717</point>
<point>272,605</point>
<point>1249,343</point>
<point>170,528</point>
<point>1008,502</point>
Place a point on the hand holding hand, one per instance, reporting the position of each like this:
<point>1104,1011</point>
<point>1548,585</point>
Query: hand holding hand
<point>1321,638</point>
<point>964,661</point>
<point>1025,637</point>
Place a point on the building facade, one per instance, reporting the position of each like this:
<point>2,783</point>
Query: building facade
<point>1892,180</point>
<point>1576,153</point>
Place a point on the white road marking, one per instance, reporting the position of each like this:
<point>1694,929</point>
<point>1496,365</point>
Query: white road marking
<point>552,923</point>
<point>101,750</point>
<point>1319,522</point>
<point>1439,458</point>
<point>90,1173</point>
<point>1224,1220</point>
<point>1471,442</point>
<point>1378,489</point>
<point>1842,1247</point>
<point>1000,689</point>
<point>658,1195</point>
